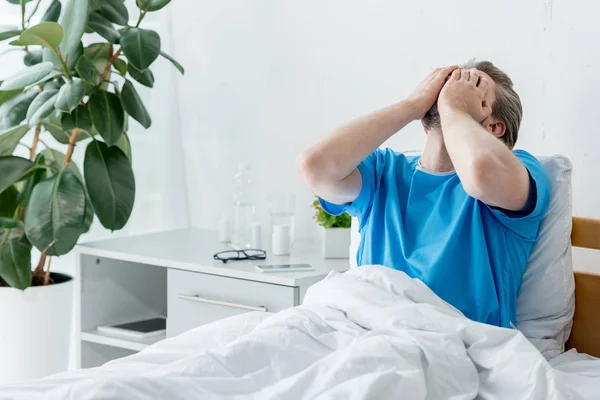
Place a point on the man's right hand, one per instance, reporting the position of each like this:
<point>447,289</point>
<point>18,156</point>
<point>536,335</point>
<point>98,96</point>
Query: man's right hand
<point>426,94</point>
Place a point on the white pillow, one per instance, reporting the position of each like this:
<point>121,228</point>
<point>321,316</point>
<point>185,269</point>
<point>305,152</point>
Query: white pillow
<point>546,301</point>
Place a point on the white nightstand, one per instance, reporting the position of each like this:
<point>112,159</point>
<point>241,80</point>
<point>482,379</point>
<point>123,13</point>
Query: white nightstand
<point>174,274</point>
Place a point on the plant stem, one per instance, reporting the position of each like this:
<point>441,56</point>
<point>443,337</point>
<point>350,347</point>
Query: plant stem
<point>47,275</point>
<point>36,138</point>
<point>39,270</point>
<point>22,14</point>
<point>34,10</point>
<point>74,133</point>
<point>109,64</point>
<point>62,64</point>
<point>142,15</point>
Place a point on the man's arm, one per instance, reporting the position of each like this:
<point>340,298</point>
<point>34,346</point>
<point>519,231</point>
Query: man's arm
<point>488,170</point>
<point>330,166</point>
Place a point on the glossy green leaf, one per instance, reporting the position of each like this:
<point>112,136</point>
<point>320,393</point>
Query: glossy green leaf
<point>27,76</point>
<point>152,5</point>
<point>8,201</point>
<point>110,183</point>
<point>174,62</point>
<point>103,27</point>
<point>10,139</point>
<point>54,127</point>
<point>125,145</point>
<point>9,34</point>
<point>14,110</point>
<point>38,176</point>
<point>73,19</point>
<point>120,66</point>
<point>140,46</point>
<point>18,1</point>
<point>74,57</point>
<point>114,11</point>
<point>107,115</point>
<point>70,95</point>
<point>56,213</point>
<point>79,118</point>
<point>46,34</point>
<point>145,77</point>
<point>87,71</point>
<point>55,159</point>
<point>14,169</point>
<point>33,57</point>
<point>53,12</point>
<point>10,223</point>
<point>98,54</point>
<point>15,264</point>
<point>42,106</point>
<point>134,106</point>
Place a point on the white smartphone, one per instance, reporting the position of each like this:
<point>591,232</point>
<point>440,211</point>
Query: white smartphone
<point>284,268</point>
<point>136,329</point>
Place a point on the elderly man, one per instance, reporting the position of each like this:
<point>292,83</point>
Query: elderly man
<point>464,216</point>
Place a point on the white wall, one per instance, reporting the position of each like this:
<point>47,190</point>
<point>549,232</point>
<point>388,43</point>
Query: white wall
<point>267,77</point>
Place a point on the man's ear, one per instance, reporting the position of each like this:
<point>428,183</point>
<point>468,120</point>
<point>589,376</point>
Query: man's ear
<point>495,126</point>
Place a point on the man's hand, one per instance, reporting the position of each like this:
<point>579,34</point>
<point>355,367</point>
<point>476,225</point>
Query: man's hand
<point>464,92</point>
<point>426,94</point>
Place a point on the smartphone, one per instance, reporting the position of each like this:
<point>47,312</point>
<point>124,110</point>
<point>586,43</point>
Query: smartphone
<point>136,329</point>
<point>284,268</point>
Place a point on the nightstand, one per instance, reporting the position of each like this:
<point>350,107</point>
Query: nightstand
<point>174,274</point>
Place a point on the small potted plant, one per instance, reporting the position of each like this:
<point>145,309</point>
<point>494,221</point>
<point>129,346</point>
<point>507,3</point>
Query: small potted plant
<point>335,232</point>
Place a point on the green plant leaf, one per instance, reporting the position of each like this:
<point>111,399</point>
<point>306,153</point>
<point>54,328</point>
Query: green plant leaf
<point>125,145</point>
<point>15,264</point>
<point>9,34</point>
<point>14,110</point>
<point>98,54</point>
<point>107,116</point>
<point>8,201</point>
<point>152,5</point>
<point>87,71</point>
<point>54,127</point>
<point>55,159</point>
<point>103,27</point>
<point>73,19</point>
<point>18,1</point>
<point>70,95</point>
<point>33,57</point>
<point>46,34</point>
<point>133,105</point>
<point>10,223</point>
<point>174,62</point>
<point>145,77</point>
<point>27,76</point>
<point>79,118</point>
<point>14,169</point>
<point>56,213</point>
<point>74,57</point>
<point>120,66</point>
<point>114,11</point>
<point>38,176</point>
<point>140,46</point>
<point>110,183</point>
<point>10,139</point>
<point>41,106</point>
<point>7,95</point>
<point>53,12</point>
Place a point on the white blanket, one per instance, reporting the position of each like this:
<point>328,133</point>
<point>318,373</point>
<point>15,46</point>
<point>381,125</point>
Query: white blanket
<point>371,333</point>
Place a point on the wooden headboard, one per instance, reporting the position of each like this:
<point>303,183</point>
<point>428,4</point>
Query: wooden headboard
<point>585,334</point>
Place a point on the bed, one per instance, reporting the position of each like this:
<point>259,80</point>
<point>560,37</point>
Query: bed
<point>369,333</point>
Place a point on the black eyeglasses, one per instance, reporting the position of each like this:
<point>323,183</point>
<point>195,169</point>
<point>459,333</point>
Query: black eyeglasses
<point>233,255</point>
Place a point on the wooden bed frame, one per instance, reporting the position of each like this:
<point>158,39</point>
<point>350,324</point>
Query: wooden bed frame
<point>585,335</point>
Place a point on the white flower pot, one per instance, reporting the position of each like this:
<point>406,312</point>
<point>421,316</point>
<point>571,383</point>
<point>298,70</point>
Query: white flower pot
<point>35,330</point>
<point>336,242</point>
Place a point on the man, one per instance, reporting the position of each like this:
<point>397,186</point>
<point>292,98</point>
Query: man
<point>464,216</point>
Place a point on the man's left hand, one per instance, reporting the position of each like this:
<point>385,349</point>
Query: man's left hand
<point>464,92</point>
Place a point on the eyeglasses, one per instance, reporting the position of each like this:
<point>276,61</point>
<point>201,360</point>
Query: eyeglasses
<point>234,255</point>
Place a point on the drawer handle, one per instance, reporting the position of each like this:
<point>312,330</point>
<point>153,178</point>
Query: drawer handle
<point>221,303</point>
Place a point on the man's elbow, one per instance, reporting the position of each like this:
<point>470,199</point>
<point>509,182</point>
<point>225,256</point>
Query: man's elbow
<point>478,177</point>
<point>307,165</point>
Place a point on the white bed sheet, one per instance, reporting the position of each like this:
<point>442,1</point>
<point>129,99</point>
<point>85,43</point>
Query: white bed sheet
<point>371,333</point>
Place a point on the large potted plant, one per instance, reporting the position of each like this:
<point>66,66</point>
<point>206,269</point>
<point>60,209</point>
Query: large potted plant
<point>74,93</point>
<point>335,232</point>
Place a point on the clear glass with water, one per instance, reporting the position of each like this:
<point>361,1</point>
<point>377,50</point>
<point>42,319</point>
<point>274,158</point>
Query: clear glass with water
<point>282,212</point>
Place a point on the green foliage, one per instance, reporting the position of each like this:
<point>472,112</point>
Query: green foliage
<point>330,221</point>
<point>70,92</point>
